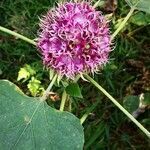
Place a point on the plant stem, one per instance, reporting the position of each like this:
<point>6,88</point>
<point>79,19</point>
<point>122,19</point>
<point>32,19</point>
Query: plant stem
<point>123,23</point>
<point>64,97</point>
<point>69,104</point>
<point>46,93</point>
<point>118,105</point>
<point>17,35</point>
<point>83,118</point>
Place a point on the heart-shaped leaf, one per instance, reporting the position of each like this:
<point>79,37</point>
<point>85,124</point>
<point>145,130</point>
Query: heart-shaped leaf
<point>142,5</point>
<point>27,123</point>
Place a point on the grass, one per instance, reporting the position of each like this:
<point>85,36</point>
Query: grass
<point>106,127</point>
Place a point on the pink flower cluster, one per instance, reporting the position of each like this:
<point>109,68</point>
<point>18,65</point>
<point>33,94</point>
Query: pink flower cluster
<point>74,38</point>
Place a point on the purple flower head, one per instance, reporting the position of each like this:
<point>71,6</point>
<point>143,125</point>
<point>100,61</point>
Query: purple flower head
<point>74,38</point>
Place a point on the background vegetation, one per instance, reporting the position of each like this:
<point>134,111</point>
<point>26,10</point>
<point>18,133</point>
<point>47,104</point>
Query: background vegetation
<point>126,76</point>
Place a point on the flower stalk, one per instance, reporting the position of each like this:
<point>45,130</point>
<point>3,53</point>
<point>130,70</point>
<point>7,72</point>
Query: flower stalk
<point>63,101</point>
<point>140,126</point>
<point>17,35</point>
<point>46,93</point>
<point>123,23</point>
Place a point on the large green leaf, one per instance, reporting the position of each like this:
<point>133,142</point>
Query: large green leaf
<point>26,123</point>
<point>143,5</point>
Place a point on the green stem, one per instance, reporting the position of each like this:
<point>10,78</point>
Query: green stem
<point>46,93</point>
<point>64,97</point>
<point>123,23</point>
<point>69,104</point>
<point>17,35</point>
<point>83,118</point>
<point>118,105</point>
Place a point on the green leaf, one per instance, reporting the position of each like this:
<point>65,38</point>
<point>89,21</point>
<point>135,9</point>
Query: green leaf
<point>146,121</point>
<point>146,100</point>
<point>142,5</point>
<point>28,123</point>
<point>30,70</point>
<point>131,103</point>
<point>140,19</point>
<point>73,89</point>
<point>34,86</point>
<point>64,83</point>
<point>25,72</point>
